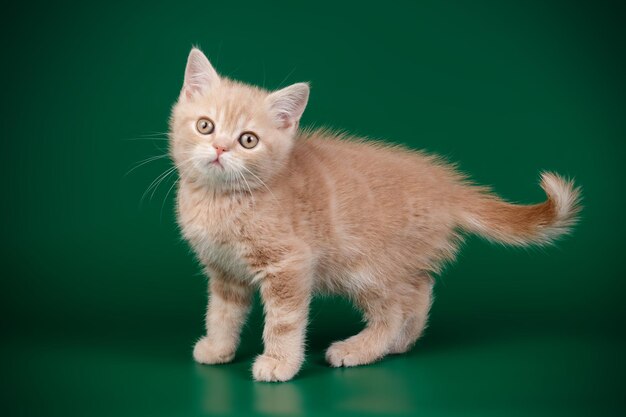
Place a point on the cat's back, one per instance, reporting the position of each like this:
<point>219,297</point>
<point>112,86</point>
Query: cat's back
<point>379,164</point>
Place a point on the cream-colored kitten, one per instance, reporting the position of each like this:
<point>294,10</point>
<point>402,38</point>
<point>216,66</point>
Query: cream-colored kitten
<point>291,212</point>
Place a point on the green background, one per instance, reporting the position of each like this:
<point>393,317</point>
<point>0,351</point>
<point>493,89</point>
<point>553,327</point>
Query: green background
<point>102,301</point>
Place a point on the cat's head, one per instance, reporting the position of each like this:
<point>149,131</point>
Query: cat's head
<point>229,135</point>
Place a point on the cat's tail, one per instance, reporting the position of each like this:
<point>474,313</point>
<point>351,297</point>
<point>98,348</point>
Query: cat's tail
<point>487,215</point>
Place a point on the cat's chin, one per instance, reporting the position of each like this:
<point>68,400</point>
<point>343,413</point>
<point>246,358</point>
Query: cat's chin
<point>211,169</point>
<point>213,173</point>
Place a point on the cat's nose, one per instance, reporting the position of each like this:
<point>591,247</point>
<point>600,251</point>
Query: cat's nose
<point>219,150</point>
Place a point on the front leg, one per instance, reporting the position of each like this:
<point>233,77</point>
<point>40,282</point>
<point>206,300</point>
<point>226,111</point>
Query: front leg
<point>229,303</point>
<point>286,295</point>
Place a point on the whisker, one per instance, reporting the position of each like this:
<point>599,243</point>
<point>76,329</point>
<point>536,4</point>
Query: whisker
<point>145,161</point>
<point>249,189</point>
<point>165,199</point>
<point>155,183</point>
<point>236,184</point>
<point>154,138</point>
<point>155,133</point>
<point>260,181</point>
<point>162,176</point>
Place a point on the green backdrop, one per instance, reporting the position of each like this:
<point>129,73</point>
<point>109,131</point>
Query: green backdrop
<point>102,301</point>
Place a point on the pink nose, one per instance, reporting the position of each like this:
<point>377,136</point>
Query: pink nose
<point>219,150</point>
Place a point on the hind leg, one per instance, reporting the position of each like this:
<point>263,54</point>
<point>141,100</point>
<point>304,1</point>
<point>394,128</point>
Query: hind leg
<point>394,322</point>
<point>384,324</point>
<point>416,317</point>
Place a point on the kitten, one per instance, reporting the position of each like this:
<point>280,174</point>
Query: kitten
<point>294,212</point>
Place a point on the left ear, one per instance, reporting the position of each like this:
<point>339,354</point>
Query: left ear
<point>287,105</point>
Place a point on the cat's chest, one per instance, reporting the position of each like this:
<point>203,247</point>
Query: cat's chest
<point>214,228</point>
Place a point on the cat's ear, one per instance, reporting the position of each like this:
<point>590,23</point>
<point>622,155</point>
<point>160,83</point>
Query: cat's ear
<point>287,105</point>
<point>199,74</point>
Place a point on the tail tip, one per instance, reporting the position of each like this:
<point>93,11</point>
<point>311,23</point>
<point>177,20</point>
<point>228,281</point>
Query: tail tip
<point>566,197</point>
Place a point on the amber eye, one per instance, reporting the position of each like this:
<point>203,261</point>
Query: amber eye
<point>248,140</point>
<point>205,126</point>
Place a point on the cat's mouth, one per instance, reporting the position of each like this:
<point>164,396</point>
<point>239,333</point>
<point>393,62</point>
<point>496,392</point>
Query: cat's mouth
<point>216,162</point>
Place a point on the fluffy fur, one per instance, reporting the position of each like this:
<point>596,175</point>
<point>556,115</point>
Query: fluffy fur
<point>312,211</point>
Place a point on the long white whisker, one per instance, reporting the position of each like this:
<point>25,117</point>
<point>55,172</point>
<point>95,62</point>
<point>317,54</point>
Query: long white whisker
<point>153,138</point>
<point>249,189</point>
<point>145,161</point>
<point>165,199</point>
<point>169,172</point>
<point>155,183</point>
<point>234,182</point>
<point>260,181</point>
<point>155,133</point>
<point>162,176</point>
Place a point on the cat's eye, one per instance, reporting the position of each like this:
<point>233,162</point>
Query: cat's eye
<point>248,140</point>
<point>205,126</point>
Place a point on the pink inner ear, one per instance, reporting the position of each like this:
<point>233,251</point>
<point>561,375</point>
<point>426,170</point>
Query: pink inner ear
<point>286,105</point>
<point>187,91</point>
<point>284,120</point>
<point>195,83</point>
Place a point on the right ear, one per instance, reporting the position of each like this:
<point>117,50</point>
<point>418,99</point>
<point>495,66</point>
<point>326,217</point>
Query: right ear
<point>200,76</point>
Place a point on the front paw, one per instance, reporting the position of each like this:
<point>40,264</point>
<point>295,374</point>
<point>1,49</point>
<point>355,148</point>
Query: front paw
<point>269,369</point>
<point>210,353</point>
